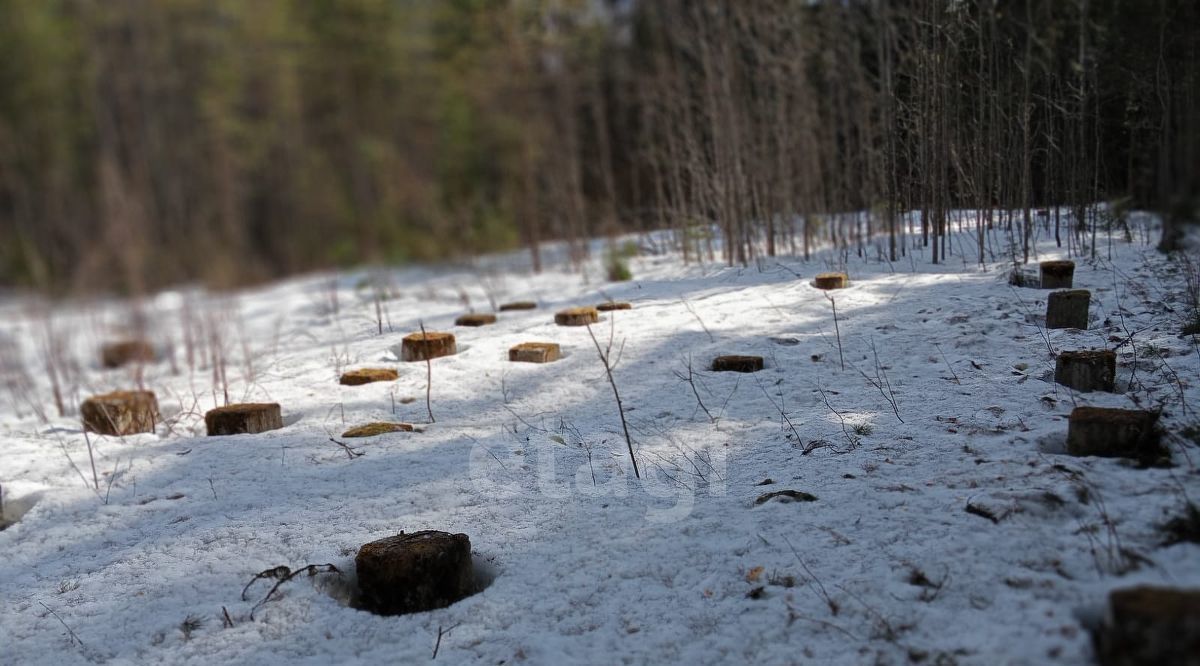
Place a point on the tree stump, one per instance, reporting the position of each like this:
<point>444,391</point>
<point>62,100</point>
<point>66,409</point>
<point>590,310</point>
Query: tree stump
<point>737,364</point>
<point>1107,432</point>
<point>475,319</point>
<point>246,418</point>
<point>117,354</point>
<point>577,316</point>
<point>411,573</point>
<point>831,281</point>
<point>1068,309</point>
<point>1150,625</point>
<point>375,429</point>
<point>1087,371</point>
<point>613,305</point>
<point>518,305</point>
<point>368,375</point>
<point>120,413</point>
<point>535,352</point>
<point>428,345</point>
<point>1057,274</point>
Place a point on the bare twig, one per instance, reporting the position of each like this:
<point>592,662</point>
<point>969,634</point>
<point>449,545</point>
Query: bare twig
<point>698,319</point>
<point>850,438</point>
<point>92,458</point>
<point>438,644</point>
<point>70,632</point>
<point>950,367</point>
<point>351,453</point>
<point>837,331</point>
<point>782,414</point>
<point>282,574</point>
<point>812,579</point>
<point>691,380</point>
<point>604,358</point>
<point>428,378</point>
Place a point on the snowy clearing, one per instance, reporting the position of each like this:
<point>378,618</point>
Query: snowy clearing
<point>583,562</point>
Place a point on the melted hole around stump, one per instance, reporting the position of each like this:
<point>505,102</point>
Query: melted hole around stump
<point>344,588</point>
<point>13,507</point>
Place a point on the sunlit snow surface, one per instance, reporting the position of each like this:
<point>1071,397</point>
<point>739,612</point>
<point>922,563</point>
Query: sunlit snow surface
<point>591,565</point>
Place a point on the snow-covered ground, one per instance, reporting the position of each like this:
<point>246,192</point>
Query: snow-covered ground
<point>585,563</point>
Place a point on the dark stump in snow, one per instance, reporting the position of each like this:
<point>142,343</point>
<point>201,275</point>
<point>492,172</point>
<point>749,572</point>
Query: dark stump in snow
<point>737,364</point>
<point>475,319</point>
<point>831,281</point>
<point>427,345</point>
<point>246,418</point>
<point>1150,625</point>
<point>1057,274</point>
<point>577,316</point>
<point>518,305</point>
<point>1107,432</point>
<point>613,305</point>
<point>410,573</point>
<point>785,496</point>
<point>1093,370</point>
<point>535,352</point>
<point>368,375</point>
<point>117,354</point>
<point>376,429</point>
<point>120,413</point>
<point>1068,309</point>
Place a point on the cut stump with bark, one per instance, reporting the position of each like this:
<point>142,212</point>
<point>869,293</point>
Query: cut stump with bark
<point>577,316</point>
<point>1086,371</point>
<point>245,418</point>
<point>126,352</point>
<point>518,305</point>
<point>376,429</point>
<point>120,413</point>
<point>613,305</point>
<point>475,319</point>
<point>428,345</point>
<point>1057,274</point>
<point>411,573</point>
<point>368,376</point>
<point>737,364</point>
<point>1068,309</point>
<point>831,281</point>
<point>535,352</point>
<point>1108,432</point>
<point>1150,625</point>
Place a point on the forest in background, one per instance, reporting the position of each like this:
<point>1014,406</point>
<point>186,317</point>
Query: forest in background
<point>151,142</point>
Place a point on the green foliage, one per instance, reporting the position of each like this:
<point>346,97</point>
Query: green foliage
<point>616,264</point>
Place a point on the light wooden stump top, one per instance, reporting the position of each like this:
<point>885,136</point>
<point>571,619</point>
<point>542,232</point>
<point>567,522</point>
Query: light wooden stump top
<point>577,316</point>
<point>368,375</point>
<point>375,429</point>
<point>535,352</point>
<point>120,413</point>
<point>831,281</point>
<point>475,319</point>
<point>428,345</point>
